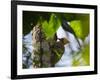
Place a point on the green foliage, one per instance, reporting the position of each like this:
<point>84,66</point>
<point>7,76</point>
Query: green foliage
<point>67,16</point>
<point>50,28</point>
<point>82,58</point>
<point>77,27</point>
<point>82,22</point>
<point>80,25</point>
<point>86,54</point>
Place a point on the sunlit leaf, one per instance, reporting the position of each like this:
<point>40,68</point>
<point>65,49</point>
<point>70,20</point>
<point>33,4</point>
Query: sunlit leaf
<point>77,27</point>
<point>51,27</point>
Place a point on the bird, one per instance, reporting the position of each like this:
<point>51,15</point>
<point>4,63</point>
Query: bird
<point>68,28</point>
<point>58,50</point>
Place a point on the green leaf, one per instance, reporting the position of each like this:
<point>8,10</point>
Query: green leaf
<point>84,25</point>
<point>77,27</point>
<point>50,28</point>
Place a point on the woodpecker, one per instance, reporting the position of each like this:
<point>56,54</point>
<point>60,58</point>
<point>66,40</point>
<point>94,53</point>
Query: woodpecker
<point>58,50</point>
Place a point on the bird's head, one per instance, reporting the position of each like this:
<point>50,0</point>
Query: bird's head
<point>64,40</point>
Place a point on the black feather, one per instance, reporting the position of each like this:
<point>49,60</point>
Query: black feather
<point>68,28</point>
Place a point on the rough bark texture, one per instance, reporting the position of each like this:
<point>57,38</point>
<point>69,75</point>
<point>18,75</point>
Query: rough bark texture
<point>46,52</point>
<point>41,51</point>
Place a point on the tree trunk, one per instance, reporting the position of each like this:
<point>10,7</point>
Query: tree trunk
<point>42,52</point>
